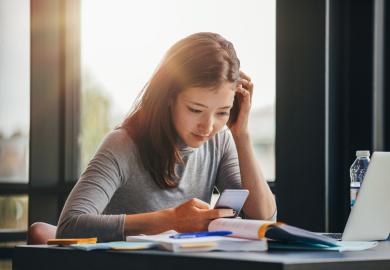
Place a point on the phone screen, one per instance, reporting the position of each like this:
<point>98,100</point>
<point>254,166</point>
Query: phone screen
<point>232,199</point>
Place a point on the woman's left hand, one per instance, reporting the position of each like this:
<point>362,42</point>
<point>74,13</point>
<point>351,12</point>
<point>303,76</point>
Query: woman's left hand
<point>244,92</point>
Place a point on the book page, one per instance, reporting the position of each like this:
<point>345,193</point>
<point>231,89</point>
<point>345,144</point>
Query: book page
<point>167,239</point>
<point>200,243</point>
<point>243,228</point>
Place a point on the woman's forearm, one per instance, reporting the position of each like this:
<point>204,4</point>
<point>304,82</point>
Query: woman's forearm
<point>190,216</point>
<point>149,223</point>
<point>261,202</point>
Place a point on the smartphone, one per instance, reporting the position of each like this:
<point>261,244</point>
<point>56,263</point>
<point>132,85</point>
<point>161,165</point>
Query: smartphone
<point>232,199</point>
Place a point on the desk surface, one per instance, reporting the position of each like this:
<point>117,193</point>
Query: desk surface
<point>44,257</point>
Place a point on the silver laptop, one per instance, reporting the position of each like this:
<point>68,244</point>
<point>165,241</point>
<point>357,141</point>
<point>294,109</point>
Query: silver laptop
<point>370,216</point>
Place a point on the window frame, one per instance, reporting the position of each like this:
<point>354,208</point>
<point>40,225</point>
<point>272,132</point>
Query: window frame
<point>54,112</point>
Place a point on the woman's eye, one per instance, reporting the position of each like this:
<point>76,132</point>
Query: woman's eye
<point>224,113</point>
<point>194,110</point>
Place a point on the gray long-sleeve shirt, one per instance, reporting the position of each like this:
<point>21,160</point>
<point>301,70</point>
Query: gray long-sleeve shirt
<point>115,184</point>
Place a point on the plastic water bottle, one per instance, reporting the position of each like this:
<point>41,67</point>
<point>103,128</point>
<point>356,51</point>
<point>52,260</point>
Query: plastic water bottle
<point>357,172</point>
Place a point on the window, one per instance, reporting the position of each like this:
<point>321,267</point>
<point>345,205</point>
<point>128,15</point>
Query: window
<point>14,110</point>
<point>14,91</point>
<point>118,57</point>
<point>13,213</point>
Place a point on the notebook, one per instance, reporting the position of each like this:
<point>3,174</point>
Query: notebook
<point>70,241</point>
<point>120,245</point>
<point>198,244</point>
<point>283,236</point>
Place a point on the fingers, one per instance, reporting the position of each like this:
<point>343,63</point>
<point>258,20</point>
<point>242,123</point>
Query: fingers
<point>248,85</point>
<point>199,203</point>
<point>208,213</point>
<point>245,83</point>
<point>218,213</point>
<point>243,91</point>
<point>245,94</point>
<point>195,215</point>
<point>244,76</point>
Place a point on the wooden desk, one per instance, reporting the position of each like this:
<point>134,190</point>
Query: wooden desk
<point>44,257</point>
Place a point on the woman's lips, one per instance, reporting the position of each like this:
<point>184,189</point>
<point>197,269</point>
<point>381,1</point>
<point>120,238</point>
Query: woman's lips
<point>200,137</point>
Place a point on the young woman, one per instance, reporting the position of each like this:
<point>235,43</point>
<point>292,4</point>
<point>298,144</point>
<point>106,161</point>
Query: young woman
<point>157,171</point>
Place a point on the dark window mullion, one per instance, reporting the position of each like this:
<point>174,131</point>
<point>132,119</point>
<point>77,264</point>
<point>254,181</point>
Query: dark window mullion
<point>13,189</point>
<point>300,112</point>
<point>351,95</point>
<point>45,139</point>
<point>55,61</point>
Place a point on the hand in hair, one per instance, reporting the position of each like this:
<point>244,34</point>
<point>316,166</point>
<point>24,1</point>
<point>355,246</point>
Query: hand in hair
<point>195,215</point>
<point>244,91</point>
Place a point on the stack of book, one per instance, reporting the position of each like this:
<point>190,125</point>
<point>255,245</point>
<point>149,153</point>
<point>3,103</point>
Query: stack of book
<point>226,234</point>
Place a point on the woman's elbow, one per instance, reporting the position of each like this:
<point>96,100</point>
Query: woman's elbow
<point>65,228</point>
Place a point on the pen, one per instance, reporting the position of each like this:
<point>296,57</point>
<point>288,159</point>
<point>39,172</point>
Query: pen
<point>200,234</point>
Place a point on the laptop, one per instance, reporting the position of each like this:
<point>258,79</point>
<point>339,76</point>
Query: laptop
<point>369,219</point>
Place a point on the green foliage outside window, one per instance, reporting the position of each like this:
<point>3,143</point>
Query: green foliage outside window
<point>13,212</point>
<point>95,112</point>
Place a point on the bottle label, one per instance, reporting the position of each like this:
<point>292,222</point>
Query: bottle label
<point>354,194</point>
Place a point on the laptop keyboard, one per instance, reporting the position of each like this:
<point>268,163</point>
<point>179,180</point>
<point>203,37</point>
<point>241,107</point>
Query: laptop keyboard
<point>335,236</point>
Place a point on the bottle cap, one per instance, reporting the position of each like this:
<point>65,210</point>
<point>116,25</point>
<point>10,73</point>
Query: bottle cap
<point>364,153</point>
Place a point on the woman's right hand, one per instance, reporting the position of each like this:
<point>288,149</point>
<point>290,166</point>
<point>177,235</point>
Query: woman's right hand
<point>195,215</point>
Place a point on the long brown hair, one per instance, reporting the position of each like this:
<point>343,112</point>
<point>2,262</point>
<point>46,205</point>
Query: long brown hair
<point>199,60</point>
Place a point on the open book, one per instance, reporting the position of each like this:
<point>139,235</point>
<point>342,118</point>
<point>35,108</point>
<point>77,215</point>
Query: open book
<point>223,243</point>
<point>280,235</point>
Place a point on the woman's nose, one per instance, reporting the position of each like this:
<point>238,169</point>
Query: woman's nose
<point>206,125</point>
